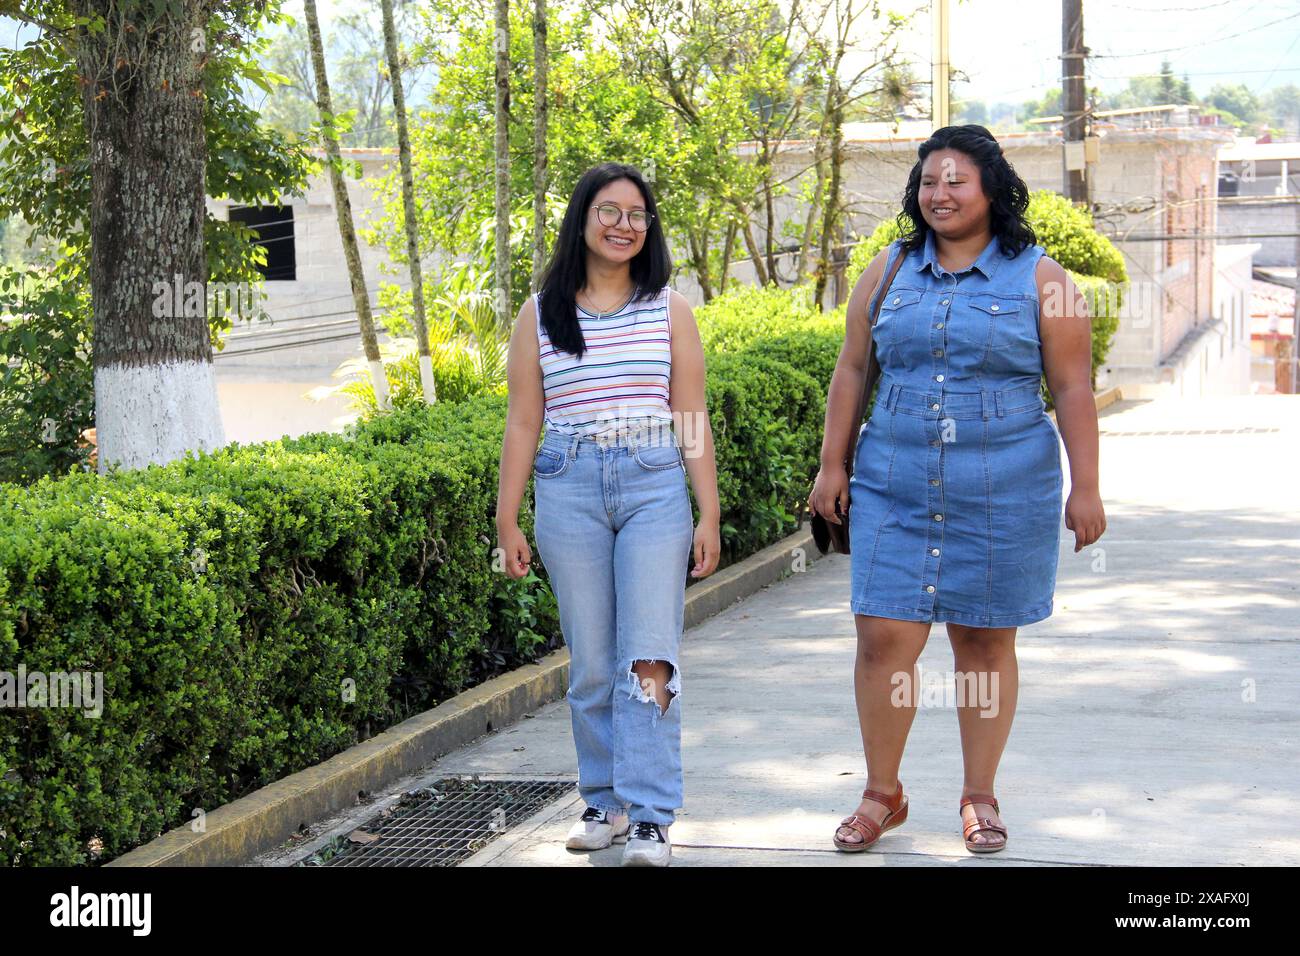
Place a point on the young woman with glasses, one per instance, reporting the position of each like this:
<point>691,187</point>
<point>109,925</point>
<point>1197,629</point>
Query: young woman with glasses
<point>609,359</point>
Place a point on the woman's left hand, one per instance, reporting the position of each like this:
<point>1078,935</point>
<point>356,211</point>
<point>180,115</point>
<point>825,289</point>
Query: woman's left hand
<point>1085,516</point>
<point>708,548</point>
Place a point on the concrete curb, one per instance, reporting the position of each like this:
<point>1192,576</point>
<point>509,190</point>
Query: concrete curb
<point>1107,396</point>
<point>723,588</point>
<point>263,820</point>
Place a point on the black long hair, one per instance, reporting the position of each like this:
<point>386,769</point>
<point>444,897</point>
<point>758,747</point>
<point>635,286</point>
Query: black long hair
<point>1007,193</point>
<point>566,272</point>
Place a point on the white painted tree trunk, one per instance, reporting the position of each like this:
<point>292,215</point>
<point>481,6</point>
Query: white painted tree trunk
<point>153,414</point>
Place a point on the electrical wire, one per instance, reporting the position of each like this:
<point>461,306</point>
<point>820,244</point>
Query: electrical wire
<point>1192,46</point>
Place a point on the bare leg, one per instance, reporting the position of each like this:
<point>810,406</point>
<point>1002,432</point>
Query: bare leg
<point>986,707</point>
<point>886,648</point>
<point>653,677</point>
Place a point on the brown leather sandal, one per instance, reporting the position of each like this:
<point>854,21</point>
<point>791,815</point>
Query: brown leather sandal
<point>870,830</point>
<point>982,823</point>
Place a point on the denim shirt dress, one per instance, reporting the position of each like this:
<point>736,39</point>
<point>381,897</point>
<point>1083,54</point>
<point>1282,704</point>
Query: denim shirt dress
<point>955,499</point>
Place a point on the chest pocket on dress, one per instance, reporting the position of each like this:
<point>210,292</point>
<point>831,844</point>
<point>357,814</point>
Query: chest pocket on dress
<point>897,317</point>
<point>992,322</point>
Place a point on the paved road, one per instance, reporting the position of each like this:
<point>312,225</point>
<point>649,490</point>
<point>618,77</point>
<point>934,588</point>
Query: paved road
<point>1158,705</point>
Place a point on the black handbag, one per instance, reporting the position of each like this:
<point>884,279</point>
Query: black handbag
<point>827,535</point>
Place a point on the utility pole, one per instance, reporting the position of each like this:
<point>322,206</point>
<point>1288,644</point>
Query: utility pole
<point>939,104</point>
<point>1074,165</point>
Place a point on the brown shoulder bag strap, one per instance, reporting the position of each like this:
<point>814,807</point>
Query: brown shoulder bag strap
<point>873,364</point>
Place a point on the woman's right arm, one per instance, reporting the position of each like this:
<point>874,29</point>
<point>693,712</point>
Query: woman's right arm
<point>524,412</point>
<point>845,390</point>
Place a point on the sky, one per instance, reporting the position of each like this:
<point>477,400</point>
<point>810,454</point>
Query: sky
<point>1010,48</point>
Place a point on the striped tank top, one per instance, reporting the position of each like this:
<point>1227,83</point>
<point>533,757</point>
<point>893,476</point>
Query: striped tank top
<point>621,381</point>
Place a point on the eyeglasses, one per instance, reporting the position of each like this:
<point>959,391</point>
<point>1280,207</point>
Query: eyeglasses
<point>611,215</point>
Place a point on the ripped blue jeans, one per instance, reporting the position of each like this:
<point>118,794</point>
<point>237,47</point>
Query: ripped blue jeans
<point>614,531</point>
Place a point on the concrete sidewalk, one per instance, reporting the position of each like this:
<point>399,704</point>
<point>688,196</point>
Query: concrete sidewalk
<point>1157,720</point>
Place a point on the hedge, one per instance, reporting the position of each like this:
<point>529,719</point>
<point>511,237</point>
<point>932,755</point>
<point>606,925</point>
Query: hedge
<point>258,609</point>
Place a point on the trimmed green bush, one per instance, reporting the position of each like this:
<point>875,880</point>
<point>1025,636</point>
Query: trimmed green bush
<point>814,347</point>
<point>749,314</point>
<point>101,579</point>
<point>256,610</point>
<point>766,418</point>
<point>253,612</point>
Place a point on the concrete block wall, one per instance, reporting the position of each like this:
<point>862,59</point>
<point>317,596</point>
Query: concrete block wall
<point>321,286</point>
<point>1246,219</point>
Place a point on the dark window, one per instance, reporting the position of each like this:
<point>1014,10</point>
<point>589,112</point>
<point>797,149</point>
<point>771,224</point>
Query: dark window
<point>274,226</point>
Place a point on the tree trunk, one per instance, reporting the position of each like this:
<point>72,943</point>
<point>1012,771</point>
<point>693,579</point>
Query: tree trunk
<point>541,119</point>
<point>751,244</point>
<point>699,243</point>
<point>502,149</point>
<point>155,392</point>
<point>730,241</point>
<point>832,207</point>
<point>408,204</point>
<point>769,210</point>
<point>810,222</point>
<point>343,208</point>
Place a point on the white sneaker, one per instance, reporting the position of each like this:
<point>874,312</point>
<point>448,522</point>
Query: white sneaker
<point>597,829</point>
<point>647,845</point>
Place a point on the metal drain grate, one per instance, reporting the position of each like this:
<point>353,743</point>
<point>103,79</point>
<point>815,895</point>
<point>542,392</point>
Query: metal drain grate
<point>1196,431</point>
<point>440,825</point>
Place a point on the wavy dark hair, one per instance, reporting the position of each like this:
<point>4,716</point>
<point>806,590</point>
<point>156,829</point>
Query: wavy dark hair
<point>566,272</point>
<point>1007,193</point>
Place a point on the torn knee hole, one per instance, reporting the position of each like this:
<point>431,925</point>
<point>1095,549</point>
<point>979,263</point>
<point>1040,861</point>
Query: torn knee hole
<point>649,684</point>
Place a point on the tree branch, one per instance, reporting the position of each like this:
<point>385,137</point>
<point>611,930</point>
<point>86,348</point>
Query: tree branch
<point>18,14</point>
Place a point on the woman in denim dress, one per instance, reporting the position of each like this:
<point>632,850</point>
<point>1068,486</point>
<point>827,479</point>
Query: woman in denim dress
<point>956,488</point>
<point>609,359</point>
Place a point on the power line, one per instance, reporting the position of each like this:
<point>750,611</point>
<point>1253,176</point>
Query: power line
<point>1175,74</point>
<point>240,334</point>
<point>260,349</point>
<point>1191,46</point>
<point>1201,9</point>
<point>1188,236</point>
<point>1279,61</point>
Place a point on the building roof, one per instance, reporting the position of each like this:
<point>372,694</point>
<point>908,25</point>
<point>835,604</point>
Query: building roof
<point>909,136</point>
<point>1272,310</point>
<point>1244,148</point>
<point>358,152</point>
<point>1126,111</point>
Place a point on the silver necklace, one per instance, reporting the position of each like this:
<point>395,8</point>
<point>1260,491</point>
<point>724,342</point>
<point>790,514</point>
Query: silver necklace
<point>601,315</point>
